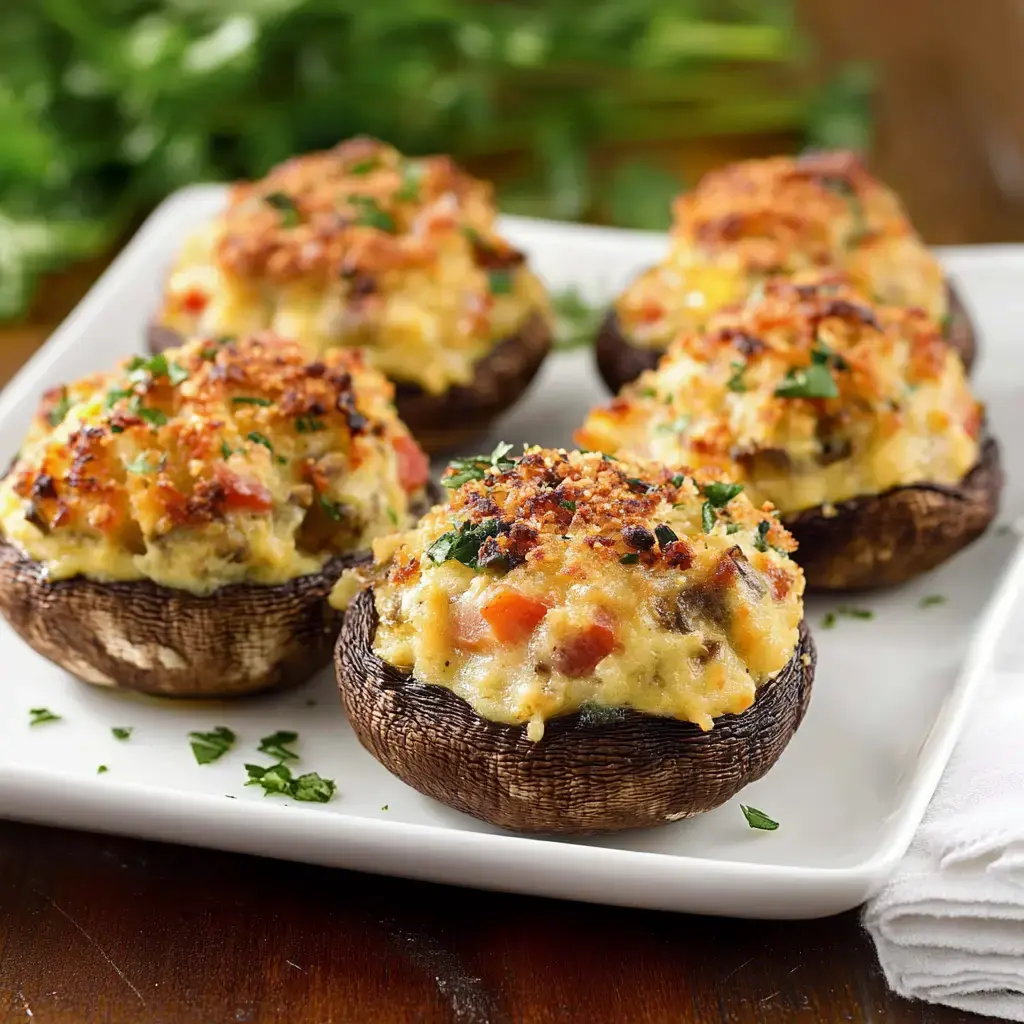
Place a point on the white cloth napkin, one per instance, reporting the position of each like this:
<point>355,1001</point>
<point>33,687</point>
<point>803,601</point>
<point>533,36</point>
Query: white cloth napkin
<point>949,926</point>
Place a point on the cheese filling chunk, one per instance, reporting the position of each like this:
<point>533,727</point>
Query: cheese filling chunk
<point>780,216</point>
<point>807,394</point>
<point>567,581</point>
<point>359,246</point>
<point>215,463</point>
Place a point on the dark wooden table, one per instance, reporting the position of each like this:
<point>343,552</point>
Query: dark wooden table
<point>101,929</point>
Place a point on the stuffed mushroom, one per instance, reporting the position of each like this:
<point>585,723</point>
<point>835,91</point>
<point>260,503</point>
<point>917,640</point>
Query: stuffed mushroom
<point>855,420</point>
<point>759,218</point>
<point>576,643</point>
<point>176,526</point>
<point>361,246</point>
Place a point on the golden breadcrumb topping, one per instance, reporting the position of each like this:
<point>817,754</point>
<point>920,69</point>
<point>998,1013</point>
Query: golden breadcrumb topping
<point>783,215</point>
<point>359,245</point>
<point>560,581</point>
<point>214,463</point>
<point>807,393</point>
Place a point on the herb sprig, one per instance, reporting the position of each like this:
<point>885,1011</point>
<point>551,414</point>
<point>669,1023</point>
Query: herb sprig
<point>209,746</point>
<point>476,467</point>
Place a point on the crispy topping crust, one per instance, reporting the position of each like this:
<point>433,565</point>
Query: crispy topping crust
<point>213,435</point>
<point>356,211</point>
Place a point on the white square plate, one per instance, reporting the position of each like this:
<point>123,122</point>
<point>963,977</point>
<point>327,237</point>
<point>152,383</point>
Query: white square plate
<point>890,695</point>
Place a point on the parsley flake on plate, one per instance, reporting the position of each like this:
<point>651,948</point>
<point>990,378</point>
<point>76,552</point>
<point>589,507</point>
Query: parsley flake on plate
<point>208,746</point>
<point>41,715</point>
<point>121,732</point>
<point>277,780</point>
<point>276,745</point>
<point>758,819</point>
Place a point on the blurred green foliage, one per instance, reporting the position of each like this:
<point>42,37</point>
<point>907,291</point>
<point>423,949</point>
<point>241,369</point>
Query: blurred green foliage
<point>108,105</point>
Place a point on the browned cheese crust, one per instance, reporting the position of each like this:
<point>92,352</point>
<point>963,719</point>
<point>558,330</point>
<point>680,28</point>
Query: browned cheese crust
<point>619,361</point>
<point>632,771</point>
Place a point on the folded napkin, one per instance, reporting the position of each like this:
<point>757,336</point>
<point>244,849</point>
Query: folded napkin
<point>949,926</point>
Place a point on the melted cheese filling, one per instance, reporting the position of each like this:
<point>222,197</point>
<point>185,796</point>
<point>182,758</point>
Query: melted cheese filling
<point>683,647</point>
<point>675,413</point>
<point>427,326</point>
<point>690,285</point>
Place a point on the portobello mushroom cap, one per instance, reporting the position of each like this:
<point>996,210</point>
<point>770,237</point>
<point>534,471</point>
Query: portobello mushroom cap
<point>138,635</point>
<point>619,361</point>
<point>443,422</point>
<point>884,539</point>
<point>583,777</point>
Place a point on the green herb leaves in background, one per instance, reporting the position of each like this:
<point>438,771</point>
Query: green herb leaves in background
<point>150,96</point>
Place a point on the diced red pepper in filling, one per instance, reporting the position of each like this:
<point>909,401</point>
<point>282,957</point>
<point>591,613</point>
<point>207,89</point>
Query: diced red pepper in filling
<point>512,615</point>
<point>195,300</point>
<point>579,654</point>
<point>413,464</point>
<point>244,493</point>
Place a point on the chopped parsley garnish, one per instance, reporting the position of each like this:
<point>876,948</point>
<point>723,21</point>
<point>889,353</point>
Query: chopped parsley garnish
<point>60,410</point>
<point>931,600</point>
<point>335,510</point>
<point>566,503</point>
<point>732,528</point>
<point>154,417</point>
<point>285,205</point>
<point>630,558</point>
<point>364,166</point>
<point>708,517</point>
<point>276,745</point>
<point>208,746</point>
<point>142,464</point>
<point>643,486</point>
<point>855,613</point>
<point>647,393</point>
<point>814,381</point>
<point>761,538</point>
<point>102,769</point>
<point>412,175</point>
<point>676,426</point>
<point>463,544</point>
<point>665,534</point>
<point>384,807</point>
<point>121,732</point>
<point>678,480</point>
<point>308,424</point>
<point>41,715</point>
<point>139,369</point>
<point>277,780</point>
<point>226,450</point>
<point>736,382</point>
<point>847,612</point>
<point>115,395</point>
<point>392,515</point>
<point>758,819</point>
<point>250,400</point>
<point>500,282</point>
<point>720,494</point>
<point>370,215</point>
<point>257,438</point>
<point>478,466</point>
